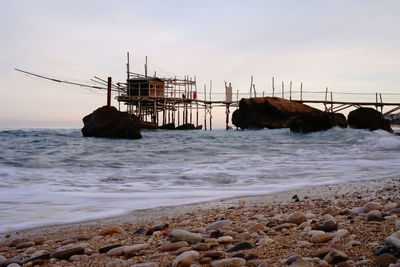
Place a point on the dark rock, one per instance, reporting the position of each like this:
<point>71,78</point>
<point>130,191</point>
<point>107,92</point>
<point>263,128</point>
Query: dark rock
<point>385,260</point>
<point>157,227</point>
<point>187,126</point>
<point>326,226</point>
<point>385,249</point>
<point>109,122</point>
<point>215,234</point>
<point>148,125</point>
<point>317,121</point>
<point>241,246</point>
<point>108,248</point>
<point>368,118</point>
<point>239,255</point>
<point>139,231</point>
<point>168,126</point>
<point>268,112</point>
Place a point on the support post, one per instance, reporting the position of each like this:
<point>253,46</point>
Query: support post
<point>109,92</point>
<point>290,91</point>
<point>273,86</point>
<point>283,89</point>
<point>301,91</point>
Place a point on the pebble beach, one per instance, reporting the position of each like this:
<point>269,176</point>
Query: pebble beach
<point>345,224</point>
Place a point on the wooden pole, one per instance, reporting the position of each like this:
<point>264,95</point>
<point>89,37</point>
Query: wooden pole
<point>109,92</point>
<point>251,84</point>
<point>331,102</point>
<point>273,86</point>
<point>127,67</point>
<point>145,68</point>
<point>301,91</point>
<point>380,96</point>
<point>290,92</point>
<point>205,108</point>
<point>227,116</point>
<point>283,89</point>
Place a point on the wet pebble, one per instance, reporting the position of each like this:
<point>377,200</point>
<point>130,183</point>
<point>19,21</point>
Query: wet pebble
<point>173,246</point>
<point>130,251</point>
<point>218,225</point>
<point>116,263</point>
<point>241,246</point>
<point>231,262</point>
<point>111,230</point>
<point>225,239</point>
<point>183,235</point>
<point>296,217</point>
<point>186,256</point>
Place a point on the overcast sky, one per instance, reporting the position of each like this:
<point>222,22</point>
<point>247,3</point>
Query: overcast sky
<point>348,46</point>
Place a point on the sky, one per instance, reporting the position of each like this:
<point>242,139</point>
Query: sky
<point>345,45</point>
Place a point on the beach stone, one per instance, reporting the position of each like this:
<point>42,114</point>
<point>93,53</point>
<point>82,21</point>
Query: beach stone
<point>139,230</point>
<point>201,247</point>
<point>336,256</point>
<point>67,251</point>
<point>39,240</point>
<point>284,226</point>
<point>240,246</point>
<point>231,262</point>
<point>265,241</point>
<point>303,244</point>
<point>321,237</point>
<point>371,206</point>
<point>131,250</point>
<point>191,255</point>
<point>215,254</point>
<point>374,215</point>
<point>292,258</point>
<point>146,264</point>
<point>341,233</point>
<point>17,241</point>
<point>173,246</point>
<point>385,260</point>
<point>243,236</point>
<point>111,230</point>
<point>25,245</point>
<point>108,248</point>
<point>393,240</point>
<point>182,235</point>
<point>181,250</point>
<point>13,265</point>
<point>256,227</point>
<point>218,225</point>
<point>116,263</point>
<point>157,256</point>
<point>397,225</point>
<point>322,252</point>
<point>225,239</point>
<point>157,227</point>
<point>205,260</point>
<point>390,206</point>
<point>326,226</point>
<point>119,251</point>
<point>345,264</point>
<point>301,263</point>
<point>296,217</point>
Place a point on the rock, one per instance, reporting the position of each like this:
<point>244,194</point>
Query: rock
<point>157,256</point>
<point>232,262</point>
<point>218,225</point>
<point>109,122</point>
<point>268,112</point>
<point>336,256</point>
<point>108,248</point>
<point>303,244</point>
<point>119,251</point>
<point>341,233</point>
<point>326,226</point>
<point>39,240</point>
<point>17,241</point>
<point>385,260</point>
<point>345,264</point>
<point>139,231</point>
<point>390,206</point>
<point>173,246</point>
<point>182,235</point>
<point>322,252</point>
<point>296,217</point>
<point>302,263</point>
<point>317,121</point>
<point>397,225</point>
<point>67,251</point>
<point>225,239</point>
<point>368,118</point>
<point>201,247</point>
<point>13,265</point>
<point>25,245</point>
<point>146,264</point>
<point>116,263</point>
<point>215,254</point>
<point>181,250</point>
<point>256,227</point>
<point>284,226</point>
<point>130,251</point>
<point>40,253</point>
<point>394,240</point>
<point>187,126</point>
<point>187,256</point>
<point>111,230</point>
<point>240,246</point>
<point>265,241</point>
<point>292,258</point>
<point>157,227</point>
<point>374,215</point>
<point>321,237</point>
<point>205,260</point>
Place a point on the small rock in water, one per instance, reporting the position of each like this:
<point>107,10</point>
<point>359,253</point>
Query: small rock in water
<point>385,260</point>
<point>186,256</point>
<point>111,230</point>
<point>182,235</point>
<point>232,262</point>
<point>116,263</point>
<point>218,225</point>
<point>241,246</point>
<point>296,217</point>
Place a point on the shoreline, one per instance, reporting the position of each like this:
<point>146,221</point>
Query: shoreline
<point>257,219</point>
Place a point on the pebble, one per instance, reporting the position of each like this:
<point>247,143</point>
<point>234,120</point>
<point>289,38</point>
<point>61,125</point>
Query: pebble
<point>201,247</point>
<point>394,240</point>
<point>191,255</point>
<point>119,251</point>
<point>25,245</point>
<point>39,240</point>
<point>205,260</point>
<point>218,225</point>
<point>243,236</point>
<point>108,248</point>
<point>284,226</point>
<point>322,252</point>
<point>374,215</point>
<point>321,237</point>
<point>341,233</point>
<point>139,230</point>
<point>173,246</point>
<point>292,258</point>
<point>256,227</point>
<point>157,256</point>
<point>131,250</point>
<point>265,241</point>
<point>182,235</point>
<point>397,225</point>
<point>389,206</point>
<point>17,241</point>
<point>326,226</point>
<point>335,257</point>
<point>181,250</point>
<point>225,239</point>
<point>146,264</point>
<point>67,251</point>
<point>39,253</point>
<point>241,246</point>
<point>157,227</point>
<point>301,263</point>
<point>116,263</point>
<point>231,262</point>
<point>303,244</point>
<point>215,254</point>
<point>13,265</point>
<point>384,260</point>
<point>296,217</point>
<point>111,230</point>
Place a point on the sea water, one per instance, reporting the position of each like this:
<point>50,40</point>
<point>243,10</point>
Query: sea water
<point>50,176</point>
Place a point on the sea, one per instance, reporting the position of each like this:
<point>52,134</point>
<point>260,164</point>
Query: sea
<point>53,176</point>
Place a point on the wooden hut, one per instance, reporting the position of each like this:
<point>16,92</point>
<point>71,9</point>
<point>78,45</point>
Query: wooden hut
<point>151,86</point>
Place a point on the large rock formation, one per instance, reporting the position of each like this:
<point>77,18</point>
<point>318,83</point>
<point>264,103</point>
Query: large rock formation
<point>274,112</point>
<point>368,118</point>
<point>109,122</point>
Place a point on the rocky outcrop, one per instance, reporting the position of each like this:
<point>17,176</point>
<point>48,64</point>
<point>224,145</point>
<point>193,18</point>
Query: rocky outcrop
<point>188,126</point>
<point>317,121</point>
<point>109,122</point>
<point>368,118</point>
